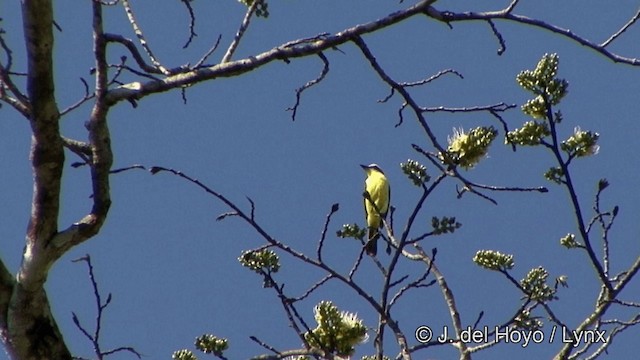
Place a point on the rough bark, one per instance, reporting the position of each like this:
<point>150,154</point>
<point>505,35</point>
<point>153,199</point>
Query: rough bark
<point>29,330</point>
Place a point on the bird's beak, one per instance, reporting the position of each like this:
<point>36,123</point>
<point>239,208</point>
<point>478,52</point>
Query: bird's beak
<point>365,167</point>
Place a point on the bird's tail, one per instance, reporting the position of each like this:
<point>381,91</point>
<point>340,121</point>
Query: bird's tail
<point>371,247</point>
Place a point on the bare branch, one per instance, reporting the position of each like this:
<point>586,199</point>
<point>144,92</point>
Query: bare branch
<point>334,209</point>
<point>292,313</point>
<point>416,83</point>
<point>500,107</point>
<point>323,73</point>
<point>605,226</point>
<point>622,30</point>
<point>47,151</point>
<point>503,45</point>
<point>14,103</point>
<point>7,284</point>
<point>512,6</point>
<point>577,210</point>
<point>108,3</point>
<point>82,149</point>
<point>356,264</point>
<point>540,189</point>
<point>419,282</point>
<point>465,354</point>
<point>290,353</point>
<point>140,35</point>
<point>7,50</point>
<point>123,349</point>
<point>432,78</point>
<point>100,307</point>
<point>192,23</point>
<point>19,101</point>
<point>313,288</point>
<point>208,53</point>
<point>243,27</point>
<point>137,90</point>
<point>264,345</point>
<point>127,168</point>
<point>627,303</point>
<point>134,51</point>
<point>87,96</point>
<point>623,325</point>
<point>101,154</point>
<point>626,277</point>
<point>506,14</point>
<point>505,128</point>
<point>399,88</point>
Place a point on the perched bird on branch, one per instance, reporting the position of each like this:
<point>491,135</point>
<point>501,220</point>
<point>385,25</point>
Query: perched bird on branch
<point>376,204</point>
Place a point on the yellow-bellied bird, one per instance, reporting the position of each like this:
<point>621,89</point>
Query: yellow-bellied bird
<point>377,186</point>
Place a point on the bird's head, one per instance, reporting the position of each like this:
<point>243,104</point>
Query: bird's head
<point>370,168</point>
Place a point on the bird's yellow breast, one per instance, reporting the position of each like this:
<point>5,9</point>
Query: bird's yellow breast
<point>377,186</point>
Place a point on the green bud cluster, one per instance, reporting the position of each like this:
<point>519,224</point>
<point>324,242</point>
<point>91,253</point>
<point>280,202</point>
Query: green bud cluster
<point>549,91</point>
<point>467,150</point>
<point>581,143</point>
<point>416,172</point>
<point>543,83</point>
<point>337,332</point>
<point>569,241</point>
<point>445,225</point>
<point>530,134</point>
<point>261,11</point>
<point>351,231</point>
<point>260,261</point>
<point>554,174</point>
<point>210,344</point>
<point>525,321</point>
<point>183,354</point>
<point>535,285</point>
<point>493,260</point>
<point>536,108</point>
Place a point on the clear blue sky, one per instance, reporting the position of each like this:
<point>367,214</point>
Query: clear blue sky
<point>172,268</point>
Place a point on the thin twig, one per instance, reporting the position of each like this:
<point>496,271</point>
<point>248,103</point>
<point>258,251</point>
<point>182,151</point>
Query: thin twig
<point>506,14</point>
<point>241,30</point>
<point>313,288</point>
<point>419,282</point>
<point>192,23</point>
<point>577,210</point>
<point>87,96</point>
<point>208,53</point>
<point>323,73</point>
<point>134,51</point>
<point>499,107</point>
<point>138,90</point>
<point>19,101</point>
<point>100,307</point>
<point>503,45</point>
<point>141,38</point>
<point>127,168</point>
<point>334,209</point>
<point>622,30</point>
<point>432,78</point>
<point>512,6</point>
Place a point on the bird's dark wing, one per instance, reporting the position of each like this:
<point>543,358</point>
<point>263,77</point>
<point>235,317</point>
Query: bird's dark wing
<point>384,215</point>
